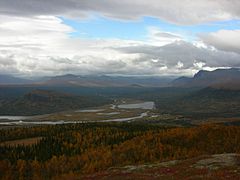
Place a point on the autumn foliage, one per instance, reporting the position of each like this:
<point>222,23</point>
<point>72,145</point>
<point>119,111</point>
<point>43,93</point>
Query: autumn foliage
<point>72,150</point>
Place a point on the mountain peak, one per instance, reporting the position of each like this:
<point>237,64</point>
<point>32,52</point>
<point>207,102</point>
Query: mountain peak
<point>210,78</point>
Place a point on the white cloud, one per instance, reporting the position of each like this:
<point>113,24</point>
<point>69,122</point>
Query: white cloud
<point>179,65</point>
<point>199,64</point>
<point>41,46</point>
<point>160,38</point>
<point>182,57</point>
<point>226,40</point>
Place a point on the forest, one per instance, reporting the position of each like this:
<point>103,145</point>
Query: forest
<point>77,149</point>
<point>37,102</point>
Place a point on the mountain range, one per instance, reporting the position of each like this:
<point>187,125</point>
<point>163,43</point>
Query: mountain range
<point>219,78</point>
<point>90,81</point>
<point>9,79</point>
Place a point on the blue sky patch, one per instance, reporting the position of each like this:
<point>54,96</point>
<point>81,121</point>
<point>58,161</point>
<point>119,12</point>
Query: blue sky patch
<point>105,28</point>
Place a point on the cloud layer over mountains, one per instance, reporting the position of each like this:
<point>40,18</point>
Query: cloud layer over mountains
<point>35,41</point>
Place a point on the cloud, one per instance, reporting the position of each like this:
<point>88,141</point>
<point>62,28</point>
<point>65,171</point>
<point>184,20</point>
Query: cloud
<point>160,38</point>
<point>41,46</point>
<point>182,56</point>
<point>7,63</point>
<point>167,35</point>
<point>226,40</point>
<point>175,11</point>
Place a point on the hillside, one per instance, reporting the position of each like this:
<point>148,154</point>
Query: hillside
<point>207,102</point>
<point>88,151</point>
<point>43,101</point>
<point>217,166</point>
<point>227,78</point>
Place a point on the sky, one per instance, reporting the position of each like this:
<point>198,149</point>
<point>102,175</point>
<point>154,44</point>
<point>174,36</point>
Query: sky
<point>112,37</point>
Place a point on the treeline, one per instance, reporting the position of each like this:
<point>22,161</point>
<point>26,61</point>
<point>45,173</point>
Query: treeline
<point>73,150</point>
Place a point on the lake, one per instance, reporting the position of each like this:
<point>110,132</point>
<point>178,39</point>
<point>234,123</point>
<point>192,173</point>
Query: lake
<point>144,105</point>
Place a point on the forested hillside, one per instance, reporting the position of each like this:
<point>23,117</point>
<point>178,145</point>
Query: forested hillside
<point>39,102</point>
<point>74,150</point>
<point>207,102</point>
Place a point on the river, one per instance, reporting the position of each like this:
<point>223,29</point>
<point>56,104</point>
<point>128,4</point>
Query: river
<point>33,120</point>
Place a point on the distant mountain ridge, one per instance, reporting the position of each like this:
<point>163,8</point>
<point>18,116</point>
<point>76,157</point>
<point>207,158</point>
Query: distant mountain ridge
<point>8,79</point>
<point>89,81</point>
<point>107,81</point>
<point>219,78</point>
